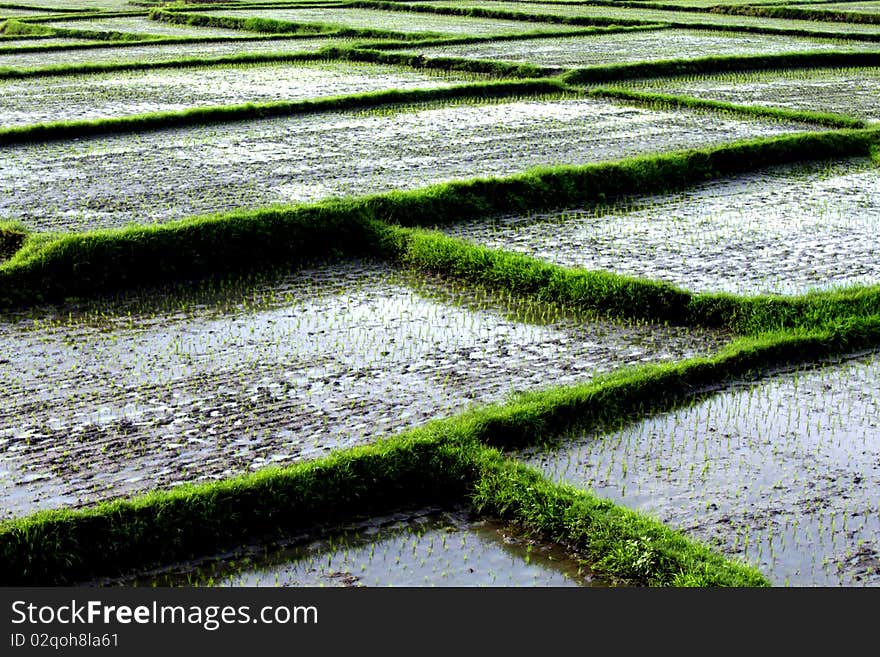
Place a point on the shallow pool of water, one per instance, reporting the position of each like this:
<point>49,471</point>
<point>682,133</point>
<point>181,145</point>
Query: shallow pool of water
<point>430,548</point>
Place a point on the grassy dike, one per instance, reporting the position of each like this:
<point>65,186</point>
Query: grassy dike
<point>459,459</point>
<point>50,268</point>
<point>442,462</point>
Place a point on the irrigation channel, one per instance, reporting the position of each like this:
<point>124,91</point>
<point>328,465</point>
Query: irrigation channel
<point>439,293</point>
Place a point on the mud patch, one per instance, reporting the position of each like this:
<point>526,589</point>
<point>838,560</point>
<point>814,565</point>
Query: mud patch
<point>786,230</point>
<point>100,403</point>
<point>782,474</point>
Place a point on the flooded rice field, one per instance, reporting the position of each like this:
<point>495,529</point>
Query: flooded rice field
<point>140,394</point>
<point>652,15</point>
<point>82,184</point>
<point>396,21</point>
<point>142,25</point>
<point>428,547</point>
<point>163,52</point>
<point>782,474</point>
<point>786,230</point>
<point>66,98</point>
<point>850,91</point>
<point>855,7</point>
<point>643,45</point>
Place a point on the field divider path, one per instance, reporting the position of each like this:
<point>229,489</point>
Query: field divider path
<point>447,459</point>
<point>50,268</point>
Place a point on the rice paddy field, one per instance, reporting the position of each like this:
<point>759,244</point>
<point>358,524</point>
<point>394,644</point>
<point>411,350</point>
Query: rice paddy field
<point>477,293</point>
<point>850,91</point>
<point>636,46</point>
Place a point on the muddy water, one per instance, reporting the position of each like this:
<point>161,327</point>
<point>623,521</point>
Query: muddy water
<point>158,52</point>
<point>783,474</point>
<point>101,403</point>
<point>786,230</point>
<point>67,98</point>
<point>156,176</point>
<point>432,547</point>
<point>601,49</point>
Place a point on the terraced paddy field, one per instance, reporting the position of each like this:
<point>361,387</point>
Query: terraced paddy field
<point>850,91</point>
<point>783,473</point>
<point>242,383</point>
<point>433,306</point>
<point>38,42</point>
<point>790,231</point>
<point>636,46</point>
<point>140,25</point>
<point>175,173</point>
<point>67,98</point>
<point>160,52</point>
<point>628,15</point>
<point>856,7</point>
<point>404,22</point>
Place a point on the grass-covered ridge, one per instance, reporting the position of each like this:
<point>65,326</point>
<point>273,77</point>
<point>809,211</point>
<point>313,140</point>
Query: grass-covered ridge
<point>52,267</point>
<point>249,111</point>
<point>442,462</point>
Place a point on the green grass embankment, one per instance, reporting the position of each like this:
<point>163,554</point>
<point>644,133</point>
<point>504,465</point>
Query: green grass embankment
<point>440,463</point>
<point>40,132</point>
<point>51,268</point>
<point>609,295</point>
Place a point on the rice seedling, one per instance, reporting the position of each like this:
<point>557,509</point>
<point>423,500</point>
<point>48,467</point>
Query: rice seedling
<point>721,236</point>
<point>328,361</point>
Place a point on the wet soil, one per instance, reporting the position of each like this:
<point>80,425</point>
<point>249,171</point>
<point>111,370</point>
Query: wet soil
<point>100,403</point>
<point>786,230</point>
<point>82,184</point>
<point>158,52</point>
<point>601,49</point>
<point>849,91</point>
<point>782,474</point>
<point>69,98</point>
